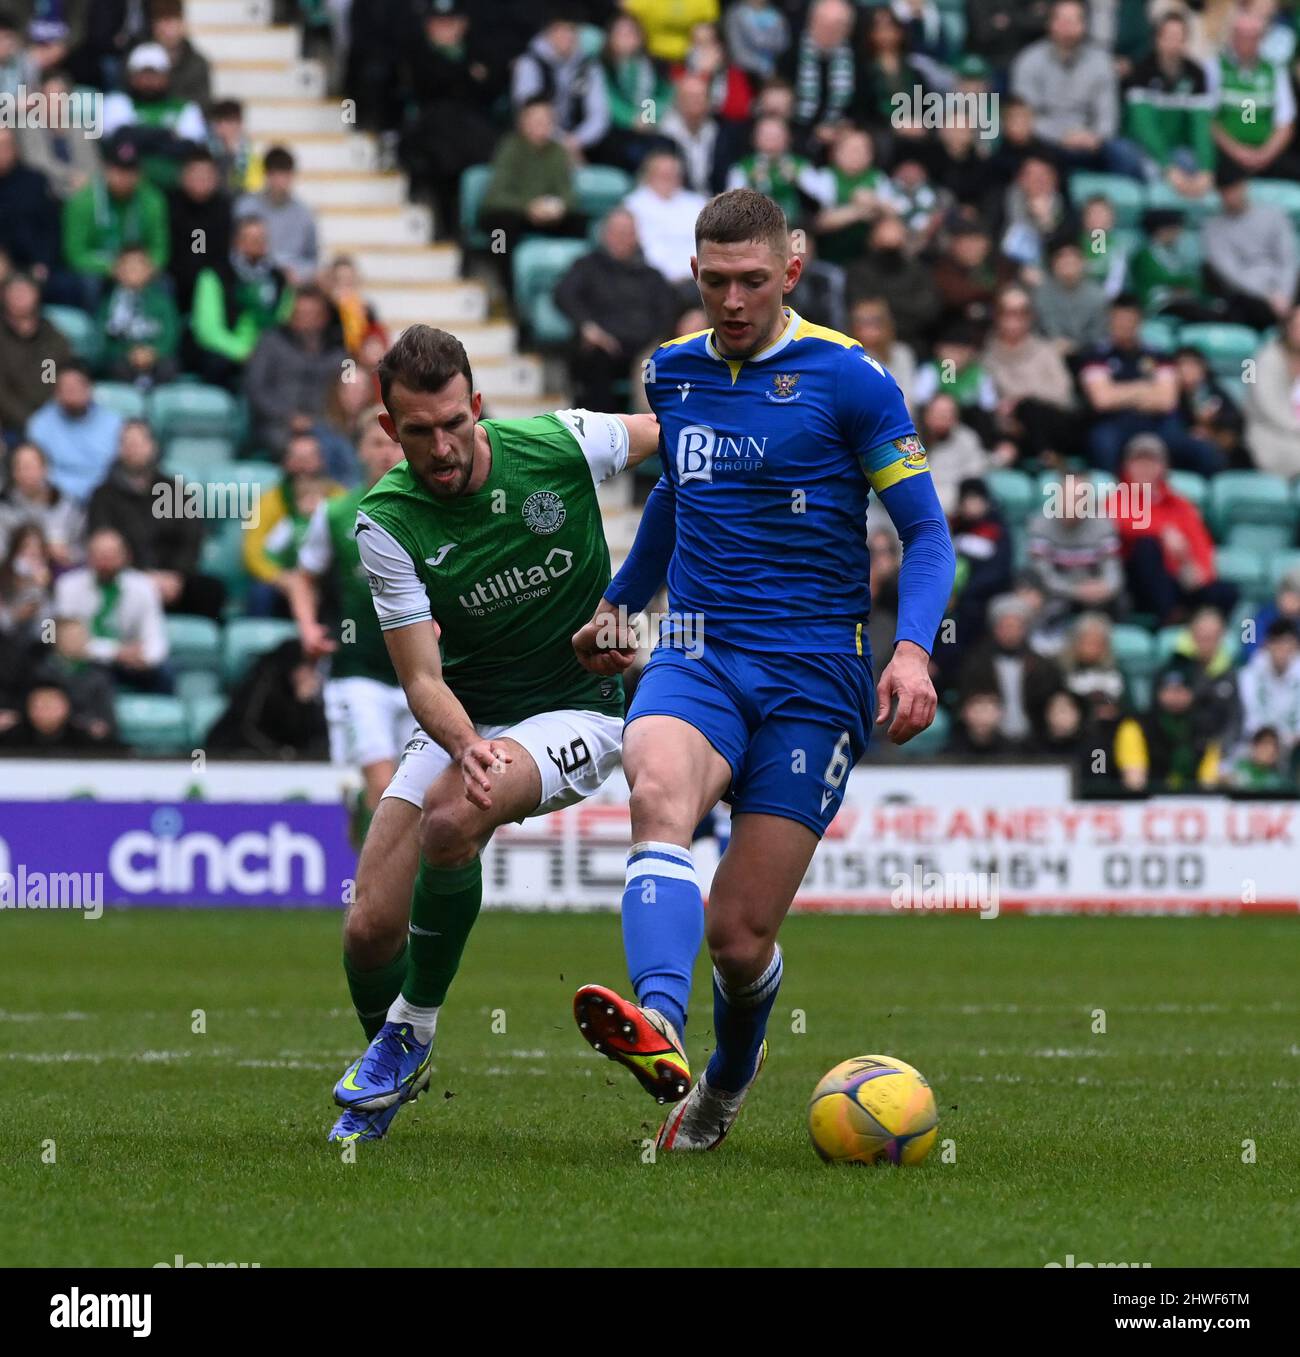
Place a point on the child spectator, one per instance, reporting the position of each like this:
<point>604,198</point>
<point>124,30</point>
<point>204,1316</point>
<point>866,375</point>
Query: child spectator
<point>1260,766</point>
<point>242,169</point>
<point>139,322</point>
<point>290,223</point>
<point>1269,686</point>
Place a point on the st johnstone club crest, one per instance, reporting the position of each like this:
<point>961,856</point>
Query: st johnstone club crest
<point>913,452</point>
<point>783,387</point>
<point>544,512</point>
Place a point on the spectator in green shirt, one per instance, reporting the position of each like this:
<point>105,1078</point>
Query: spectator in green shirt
<point>236,301</point>
<point>113,211</point>
<point>139,322</point>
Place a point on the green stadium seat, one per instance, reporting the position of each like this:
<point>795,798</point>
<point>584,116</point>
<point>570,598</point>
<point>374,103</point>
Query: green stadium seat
<point>122,397</point>
<point>265,474</point>
<point>1246,567</point>
<point>194,411</point>
<point>1259,537</point>
<point>248,637</point>
<point>1166,643</point>
<point>1283,193</point>
<point>591,39</point>
<point>196,684</point>
<point>199,459</point>
<point>1190,486</point>
<point>202,713</point>
<point>1016,493</point>
<point>539,264</point>
<point>151,722</point>
<point>78,328</point>
<point>473,185</point>
<point>1161,195</point>
<point>195,643</point>
<point>1160,333</point>
<point>1224,347</point>
<point>223,556</point>
<point>600,188</point>
<point>1125,195</point>
<point>932,740</point>
<point>1281,563</point>
<point>1133,648</point>
<point>1251,497</point>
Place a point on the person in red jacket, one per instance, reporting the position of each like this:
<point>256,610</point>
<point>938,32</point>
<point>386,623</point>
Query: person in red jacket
<point>1168,551</point>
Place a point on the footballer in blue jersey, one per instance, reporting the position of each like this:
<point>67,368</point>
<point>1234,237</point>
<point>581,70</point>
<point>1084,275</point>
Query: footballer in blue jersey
<point>773,432</point>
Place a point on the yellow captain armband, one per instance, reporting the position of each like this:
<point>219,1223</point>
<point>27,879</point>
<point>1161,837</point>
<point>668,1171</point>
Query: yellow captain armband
<point>895,461</point>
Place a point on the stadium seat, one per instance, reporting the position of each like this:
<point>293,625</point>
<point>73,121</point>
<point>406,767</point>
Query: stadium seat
<point>223,556</point>
<point>78,328</point>
<point>1283,193</point>
<point>1124,194</point>
<point>1246,567</point>
<point>1279,564</point>
<point>265,474</point>
<point>1160,333</point>
<point>1259,537</point>
<point>473,185</point>
<point>1016,493</point>
<point>196,684</point>
<point>600,188</point>
<point>1251,497</point>
<point>199,458</point>
<point>195,643</point>
<point>1224,347</point>
<point>1190,486</point>
<point>1161,195</point>
<point>248,637</point>
<point>120,396</point>
<point>1133,648</point>
<point>151,722</point>
<point>539,264</point>
<point>194,411</point>
<point>591,39</point>
<point>202,713</point>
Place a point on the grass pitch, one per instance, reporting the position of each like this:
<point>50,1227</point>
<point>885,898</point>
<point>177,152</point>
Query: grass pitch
<point>1123,1147</point>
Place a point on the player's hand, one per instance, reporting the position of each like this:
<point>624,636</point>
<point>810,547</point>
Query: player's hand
<point>606,644</point>
<point>479,763</point>
<point>316,640</point>
<point>907,677</point>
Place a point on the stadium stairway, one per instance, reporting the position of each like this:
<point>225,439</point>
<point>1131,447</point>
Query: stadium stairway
<point>361,210</point>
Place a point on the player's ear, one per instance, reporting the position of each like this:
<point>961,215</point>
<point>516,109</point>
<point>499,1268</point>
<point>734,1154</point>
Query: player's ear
<point>387,425</point>
<point>793,268</point>
<point>476,405</point>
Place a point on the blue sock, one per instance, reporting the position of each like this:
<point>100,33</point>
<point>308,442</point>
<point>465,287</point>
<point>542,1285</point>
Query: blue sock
<point>739,1024</point>
<point>663,926</point>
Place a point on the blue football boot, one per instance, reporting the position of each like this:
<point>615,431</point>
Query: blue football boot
<point>393,1069</point>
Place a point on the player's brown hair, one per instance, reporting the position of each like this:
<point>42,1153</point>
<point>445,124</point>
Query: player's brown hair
<point>423,359</point>
<point>743,214</point>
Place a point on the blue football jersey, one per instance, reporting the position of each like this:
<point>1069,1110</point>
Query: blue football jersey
<point>771,459</point>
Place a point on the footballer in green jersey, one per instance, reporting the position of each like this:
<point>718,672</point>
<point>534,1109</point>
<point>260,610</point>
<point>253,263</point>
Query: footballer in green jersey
<point>365,707</point>
<point>485,553</point>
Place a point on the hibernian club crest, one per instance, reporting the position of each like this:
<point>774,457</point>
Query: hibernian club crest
<point>544,512</point>
<point>783,387</point>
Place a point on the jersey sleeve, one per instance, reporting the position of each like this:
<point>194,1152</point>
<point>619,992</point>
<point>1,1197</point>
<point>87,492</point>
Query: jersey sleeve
<point>875,423</point>
<point>603,439</point>
<point>317,550</point>
<point>399,595</point>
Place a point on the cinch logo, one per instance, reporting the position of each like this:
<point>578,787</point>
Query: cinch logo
<point>143,862</point>
<point>515,584</point>
<point>701,451</point>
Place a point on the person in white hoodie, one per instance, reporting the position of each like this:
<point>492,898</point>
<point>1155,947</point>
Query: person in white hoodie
<point>1269,686</point>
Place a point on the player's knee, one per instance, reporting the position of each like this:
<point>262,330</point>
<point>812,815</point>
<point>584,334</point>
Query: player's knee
<point>371,936</point>
<point>654,804</point>
<point>740,951</point>
<point>447,839</point>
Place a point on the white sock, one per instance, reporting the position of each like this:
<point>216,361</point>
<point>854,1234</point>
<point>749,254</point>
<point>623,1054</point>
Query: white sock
<point>423,1021</point>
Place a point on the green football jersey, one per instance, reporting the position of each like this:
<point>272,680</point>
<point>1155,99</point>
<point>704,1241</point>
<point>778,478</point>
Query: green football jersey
<point>509,572</point>
<point>329,551</point>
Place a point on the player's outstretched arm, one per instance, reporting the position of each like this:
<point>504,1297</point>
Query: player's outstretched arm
<point>606,645</point>
<point>643,437</point>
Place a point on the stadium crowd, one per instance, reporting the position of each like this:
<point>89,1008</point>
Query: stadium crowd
<point>1083,275</point>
